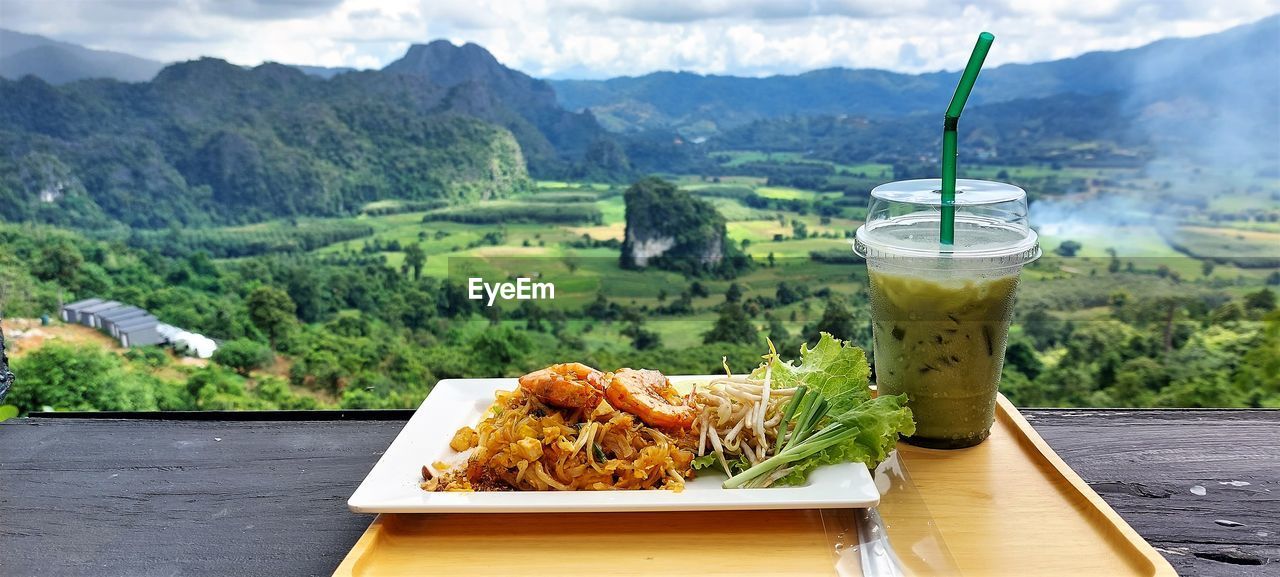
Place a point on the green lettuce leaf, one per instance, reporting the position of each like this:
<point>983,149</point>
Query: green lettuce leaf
<point>705,461</point>
<point>855,429</point>
<point>878,421</point>
<point>837,370</point>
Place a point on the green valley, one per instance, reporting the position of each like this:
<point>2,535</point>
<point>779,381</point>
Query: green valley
<point>328,232</point>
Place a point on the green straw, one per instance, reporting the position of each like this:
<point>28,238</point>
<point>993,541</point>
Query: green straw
<point>947,232</point>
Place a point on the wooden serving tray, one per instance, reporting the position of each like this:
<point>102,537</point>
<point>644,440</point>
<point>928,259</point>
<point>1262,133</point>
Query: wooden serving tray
<point>1008,506</point>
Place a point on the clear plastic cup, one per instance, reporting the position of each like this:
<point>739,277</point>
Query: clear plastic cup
<point>940,314</point>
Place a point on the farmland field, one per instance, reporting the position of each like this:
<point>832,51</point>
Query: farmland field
<point>1111,270</point>
<point>548,249</point>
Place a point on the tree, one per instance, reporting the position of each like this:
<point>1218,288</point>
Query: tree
<point>600,309</point>
<point>1264,300</point>
<point>734,294</point>
<point>272,311</point>
<point>1043,329</point>
<point>59,262</point>
<point>533,316</point>
<point>1136,380</point>
<point>699,290</point>
<point>1258,372</point>
<point>216,389</point>
<point>837,320</point>
<point>77,379</point>
<point>1068,248</point>
<point>1229,311</point>
<point>497,348</point>
<point>1065,385</point>
<point>641,338</point>
<point>681,306</point>
<point>1206,268</point>
<point>414,258</point>
<point>1021,355</point>
<point>778,333</point>
<point>243,356</point>
<point>1020,389</point>
<point>1202,377</point>
<point>732,326</point>
<point>786,293</point>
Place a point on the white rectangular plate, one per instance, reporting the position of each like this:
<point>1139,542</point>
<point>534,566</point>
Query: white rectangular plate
<point>392,485</point>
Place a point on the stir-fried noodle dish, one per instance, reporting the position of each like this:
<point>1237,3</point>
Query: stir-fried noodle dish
<point>572,427</point>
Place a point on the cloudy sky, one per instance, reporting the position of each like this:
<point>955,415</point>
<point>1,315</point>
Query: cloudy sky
<point>602,38</point>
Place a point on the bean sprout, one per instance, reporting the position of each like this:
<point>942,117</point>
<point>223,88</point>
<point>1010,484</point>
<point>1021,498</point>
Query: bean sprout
<point>749,411</point>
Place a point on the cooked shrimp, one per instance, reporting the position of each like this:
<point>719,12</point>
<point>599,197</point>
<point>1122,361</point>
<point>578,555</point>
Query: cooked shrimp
<point>566,385</point>
<point>650,396</point>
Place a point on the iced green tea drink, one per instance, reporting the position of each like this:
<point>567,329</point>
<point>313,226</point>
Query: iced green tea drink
<point>940,314</point>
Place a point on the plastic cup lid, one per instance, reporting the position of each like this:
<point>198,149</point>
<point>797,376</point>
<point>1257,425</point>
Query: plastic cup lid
<point>991,223</point>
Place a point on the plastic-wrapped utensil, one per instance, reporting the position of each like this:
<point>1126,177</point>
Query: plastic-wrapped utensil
<point>861,538</point>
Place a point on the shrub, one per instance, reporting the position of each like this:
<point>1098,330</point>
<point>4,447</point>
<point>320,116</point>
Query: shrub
<point>243,355</point>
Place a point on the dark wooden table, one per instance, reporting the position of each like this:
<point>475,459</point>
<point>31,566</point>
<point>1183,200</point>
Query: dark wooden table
<point>243,495</point>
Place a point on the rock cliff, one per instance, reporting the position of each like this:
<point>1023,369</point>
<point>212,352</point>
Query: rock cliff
<point>668,228</point>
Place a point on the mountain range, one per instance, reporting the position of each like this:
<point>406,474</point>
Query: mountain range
<point>208,142</point>
<point>1240,60</point>
<point>59,62</point>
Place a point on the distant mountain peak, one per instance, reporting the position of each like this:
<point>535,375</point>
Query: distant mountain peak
<point>214,69</point>
<point>447,64</point>
<point>483,87</point>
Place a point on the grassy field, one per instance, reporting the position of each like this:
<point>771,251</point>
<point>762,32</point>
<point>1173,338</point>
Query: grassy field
<point>575,186</point>
<point>733,210</point>
<point>1143,245</point>
<point>543,251</point>
<point>552,251</point>
<point>737,158</point>
<point>695,182</point>
<point>992,172</point>
<point>786,193</point>
<point>1148,251</point>
<point>876,170</point>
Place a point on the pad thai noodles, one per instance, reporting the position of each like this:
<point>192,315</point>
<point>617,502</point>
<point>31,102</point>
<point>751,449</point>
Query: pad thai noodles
<point>571,427</point>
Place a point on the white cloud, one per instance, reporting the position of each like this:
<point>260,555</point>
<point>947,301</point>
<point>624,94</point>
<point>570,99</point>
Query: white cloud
<point>578,38</point>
